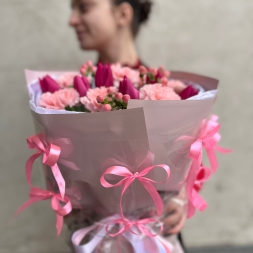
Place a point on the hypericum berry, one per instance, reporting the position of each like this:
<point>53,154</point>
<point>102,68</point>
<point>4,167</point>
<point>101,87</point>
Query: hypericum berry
<point>100,99</point>
<point>107,107</point>
<point>153,71</point>
<point>143,70</point>
<point>164,81</point>
<point>126,98</point>
<point>118,96</point>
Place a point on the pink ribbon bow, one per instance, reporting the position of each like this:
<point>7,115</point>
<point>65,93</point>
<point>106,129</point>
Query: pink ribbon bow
<point>51,154</point>
<point>37,194</point>
<point>127,225</point>
<point>129,178</point>
<point>101,229</point>
<point>208,139</point>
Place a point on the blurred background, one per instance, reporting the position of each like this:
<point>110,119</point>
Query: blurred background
<point>211,37</point>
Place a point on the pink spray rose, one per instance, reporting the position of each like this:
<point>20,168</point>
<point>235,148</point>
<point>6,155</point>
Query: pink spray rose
<point>157,92</point>
<point>48,84</point>
<point>60,99</point>
<point>65,81</point>
<point>90,100</point>
<point>176,85</point>
<point>119,72</point>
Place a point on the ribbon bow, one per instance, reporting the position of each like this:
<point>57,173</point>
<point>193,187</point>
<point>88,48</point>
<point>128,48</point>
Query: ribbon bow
<point>37,194</point>
<point>51,155</point>
<point>153,242</point>
<point>126,225</point>
<point>129,178</point>
<point>208,139</point>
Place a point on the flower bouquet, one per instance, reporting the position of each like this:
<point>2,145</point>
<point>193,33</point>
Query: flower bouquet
<point>115,143</point>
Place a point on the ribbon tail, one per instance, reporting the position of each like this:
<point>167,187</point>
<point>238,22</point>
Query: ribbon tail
<point>59,223</point>
<point>27,204</point>
<point>212,158</point>
<point>223,150</point>
<point>155,196</point>
<point>167,245</point>
<point>189,187</point>
<point>198,202</point>
<point>59,179</point>
<point>29,167</point>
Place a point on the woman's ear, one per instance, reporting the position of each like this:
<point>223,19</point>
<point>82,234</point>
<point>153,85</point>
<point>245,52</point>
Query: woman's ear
<point>124,14</point>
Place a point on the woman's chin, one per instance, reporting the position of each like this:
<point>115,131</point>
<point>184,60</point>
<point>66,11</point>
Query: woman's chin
<point>87,46</point>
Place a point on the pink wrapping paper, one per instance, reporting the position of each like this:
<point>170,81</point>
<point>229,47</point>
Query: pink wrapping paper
<point>101,140</point>
<point>98,141</point>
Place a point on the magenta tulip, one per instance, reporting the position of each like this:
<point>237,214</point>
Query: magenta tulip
<point>48,84</point>
<point>127,88</point>
<point>188,92</point>
<point>104,76</point>
<point>82,85</point>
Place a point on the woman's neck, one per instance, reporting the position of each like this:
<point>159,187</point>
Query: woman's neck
<point>121,50</point>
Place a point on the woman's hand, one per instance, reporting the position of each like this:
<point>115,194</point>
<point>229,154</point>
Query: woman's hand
<point>175,214</point>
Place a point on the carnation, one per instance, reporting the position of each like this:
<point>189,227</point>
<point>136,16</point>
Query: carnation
<point>157,92</point>
<point>90,100</point>
<point>60,99</point>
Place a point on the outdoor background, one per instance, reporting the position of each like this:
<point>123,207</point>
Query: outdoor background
<point>209,37</point>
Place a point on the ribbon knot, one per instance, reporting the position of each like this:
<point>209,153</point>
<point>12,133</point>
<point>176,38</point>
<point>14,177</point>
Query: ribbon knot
<point>129,178</point>
<point>37,194</point>
<point>208,139</point>
<point>152,243</point>
<point>52,154</point>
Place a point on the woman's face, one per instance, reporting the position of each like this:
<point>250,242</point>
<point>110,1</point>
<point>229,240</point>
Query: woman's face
<point>94,22</point>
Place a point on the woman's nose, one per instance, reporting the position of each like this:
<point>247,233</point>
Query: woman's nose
<point>74,18</point>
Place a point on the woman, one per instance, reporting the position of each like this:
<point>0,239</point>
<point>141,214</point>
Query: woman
<point>110,28</point>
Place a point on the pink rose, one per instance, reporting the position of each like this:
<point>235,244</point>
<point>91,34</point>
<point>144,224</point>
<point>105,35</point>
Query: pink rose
<point>90,100</point>
<point>60,99</point>
<point>119,72</point>
<point>66,80</point>
<point>157,92</point>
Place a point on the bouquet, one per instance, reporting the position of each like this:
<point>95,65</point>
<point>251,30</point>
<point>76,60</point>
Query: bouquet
<point>115,143</point>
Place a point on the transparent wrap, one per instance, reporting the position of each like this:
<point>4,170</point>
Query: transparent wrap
<point>143,142</point>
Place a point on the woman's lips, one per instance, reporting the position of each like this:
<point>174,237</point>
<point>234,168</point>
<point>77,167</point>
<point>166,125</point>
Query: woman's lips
<point>80,34</point>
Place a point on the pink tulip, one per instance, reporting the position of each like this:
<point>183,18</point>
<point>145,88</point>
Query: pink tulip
<point>104,76</point>
<point>48,84</point>
<point>188,92</point>
<point>82,85</point>
<point>127,88</point>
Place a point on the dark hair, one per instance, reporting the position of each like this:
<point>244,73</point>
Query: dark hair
<point>142,9</point>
